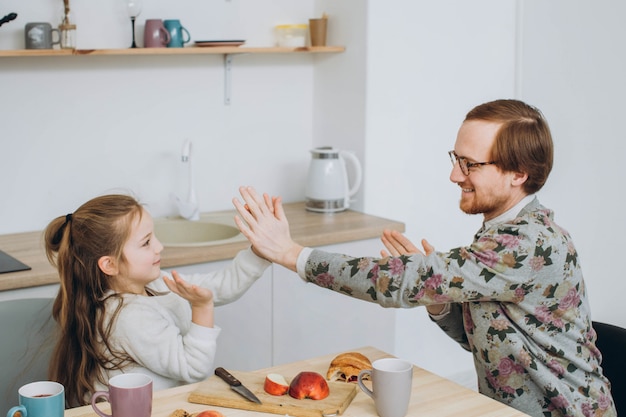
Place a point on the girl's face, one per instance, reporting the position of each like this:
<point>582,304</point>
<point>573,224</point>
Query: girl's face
<point>142,252</point>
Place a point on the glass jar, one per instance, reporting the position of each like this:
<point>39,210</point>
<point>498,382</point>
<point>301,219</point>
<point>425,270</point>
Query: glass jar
<point>68,35</point>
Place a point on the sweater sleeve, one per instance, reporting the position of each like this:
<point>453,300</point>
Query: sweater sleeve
<point>452,325</point>
<point>229,283</point>
<point>157,335</point>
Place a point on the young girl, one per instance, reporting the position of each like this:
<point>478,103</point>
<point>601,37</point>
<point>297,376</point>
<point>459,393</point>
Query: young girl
<point>116,310</point>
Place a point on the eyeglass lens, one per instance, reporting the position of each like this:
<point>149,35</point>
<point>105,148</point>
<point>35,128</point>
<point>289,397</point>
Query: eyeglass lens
<point>462,162</point>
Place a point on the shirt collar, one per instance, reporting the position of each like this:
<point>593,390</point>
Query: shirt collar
<point>511,213</point>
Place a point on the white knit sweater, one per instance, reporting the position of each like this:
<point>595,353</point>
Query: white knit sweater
<point>157,331</point>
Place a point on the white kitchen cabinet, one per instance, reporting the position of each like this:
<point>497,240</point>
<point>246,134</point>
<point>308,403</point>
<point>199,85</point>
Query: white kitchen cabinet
<point>311,321</point>
<point>282,319</point>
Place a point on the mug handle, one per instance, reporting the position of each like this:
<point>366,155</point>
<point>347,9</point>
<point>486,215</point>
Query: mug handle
<point>166,34</point>
<point>17,408</point>
<point>94,397</point>
<point>362,385</point>
<point>183,30</point>
<point>58,32</point>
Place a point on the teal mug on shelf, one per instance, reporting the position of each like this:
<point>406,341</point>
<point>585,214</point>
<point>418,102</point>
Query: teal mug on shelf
<point>40,399</point>
<point>179,35</point>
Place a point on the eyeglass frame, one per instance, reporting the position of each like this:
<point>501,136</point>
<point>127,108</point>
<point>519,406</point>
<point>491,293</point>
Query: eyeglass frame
<point>454,158</point>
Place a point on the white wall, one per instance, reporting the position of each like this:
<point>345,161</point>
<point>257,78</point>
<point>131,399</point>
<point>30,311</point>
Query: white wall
<point>76,127</point>
<point>430,62</point>
<point>574,65</point>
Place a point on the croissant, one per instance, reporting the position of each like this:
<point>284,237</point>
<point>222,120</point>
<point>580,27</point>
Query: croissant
<point>346,367</point>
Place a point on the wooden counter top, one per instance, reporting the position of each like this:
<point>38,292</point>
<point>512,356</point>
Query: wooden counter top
<point>307,228</point>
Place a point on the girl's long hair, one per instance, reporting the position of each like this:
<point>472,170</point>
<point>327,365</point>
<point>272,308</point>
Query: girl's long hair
<point>74,243</point>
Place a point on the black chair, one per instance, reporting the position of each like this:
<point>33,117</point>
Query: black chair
<point>612,344</point>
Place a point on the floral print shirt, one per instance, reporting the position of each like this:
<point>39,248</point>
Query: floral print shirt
<point>518,303</point>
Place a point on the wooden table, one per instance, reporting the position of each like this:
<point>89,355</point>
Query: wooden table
<point>432,396</point>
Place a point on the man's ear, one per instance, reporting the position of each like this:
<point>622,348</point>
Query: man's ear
<point>519,178</point>
<point>108,265</point>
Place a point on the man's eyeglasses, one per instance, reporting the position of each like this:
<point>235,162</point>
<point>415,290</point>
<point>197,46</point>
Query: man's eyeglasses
<point>464,164</point>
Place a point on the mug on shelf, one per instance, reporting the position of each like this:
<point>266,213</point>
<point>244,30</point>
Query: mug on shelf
<point>179,35</point>
<point>39,35</point>
<point>155,35</point>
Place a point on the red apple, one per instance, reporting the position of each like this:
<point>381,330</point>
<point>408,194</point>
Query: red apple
<point>275,384</point>
<point>210,413</point>
<point>309,385</point>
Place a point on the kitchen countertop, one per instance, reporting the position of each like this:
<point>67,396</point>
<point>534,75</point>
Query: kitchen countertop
<point>307,228</point>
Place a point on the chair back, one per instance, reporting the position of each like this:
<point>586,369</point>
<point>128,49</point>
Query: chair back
<point>612,344</point>
<point>26,343</point>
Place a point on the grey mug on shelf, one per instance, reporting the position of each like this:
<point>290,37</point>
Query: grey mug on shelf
<point>39,35</point>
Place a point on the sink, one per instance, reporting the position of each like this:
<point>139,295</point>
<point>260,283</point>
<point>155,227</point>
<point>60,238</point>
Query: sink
<point>209,230</point>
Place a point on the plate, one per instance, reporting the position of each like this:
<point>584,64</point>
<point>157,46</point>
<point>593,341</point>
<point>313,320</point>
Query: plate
<point>220,43</point>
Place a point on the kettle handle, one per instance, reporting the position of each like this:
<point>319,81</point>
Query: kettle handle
<point>358,171</point>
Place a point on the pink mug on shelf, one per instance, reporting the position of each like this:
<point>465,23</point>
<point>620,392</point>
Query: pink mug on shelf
<point>155,35</point>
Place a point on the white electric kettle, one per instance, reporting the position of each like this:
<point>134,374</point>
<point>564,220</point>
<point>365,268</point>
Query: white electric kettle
<point>327,188</point>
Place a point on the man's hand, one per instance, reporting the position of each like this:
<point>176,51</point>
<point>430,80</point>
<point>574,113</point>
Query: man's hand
<point>397,244</point>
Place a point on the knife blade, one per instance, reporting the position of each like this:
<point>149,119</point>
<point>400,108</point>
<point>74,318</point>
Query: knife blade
<point>236,385</point>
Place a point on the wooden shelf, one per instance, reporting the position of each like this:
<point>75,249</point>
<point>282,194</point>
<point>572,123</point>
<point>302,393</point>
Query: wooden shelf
<point>191,50</point>
<point>227,51</point>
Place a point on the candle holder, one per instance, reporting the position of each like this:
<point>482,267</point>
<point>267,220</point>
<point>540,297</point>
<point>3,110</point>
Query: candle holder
<point>67,29</point>
<point>133,7</point>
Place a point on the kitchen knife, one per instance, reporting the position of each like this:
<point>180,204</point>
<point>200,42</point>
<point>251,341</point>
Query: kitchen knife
<point>236,385</point>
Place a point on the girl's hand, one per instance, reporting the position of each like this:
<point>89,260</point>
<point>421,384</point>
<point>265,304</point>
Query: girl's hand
<point>200,299</point>
<point>397,244</point>
<point>197,296</point>
<point>263,222</point>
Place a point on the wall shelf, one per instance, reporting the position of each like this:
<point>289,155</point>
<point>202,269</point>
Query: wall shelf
<point>227,51</point>
<point>191,50</point>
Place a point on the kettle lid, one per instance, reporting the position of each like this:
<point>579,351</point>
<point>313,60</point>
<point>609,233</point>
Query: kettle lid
<point>325,152</point>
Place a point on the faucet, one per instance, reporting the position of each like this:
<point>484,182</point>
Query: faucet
<point>187,209</point>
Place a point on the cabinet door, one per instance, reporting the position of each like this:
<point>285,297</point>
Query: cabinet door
<point>310,321</point>
<point>245,341</point>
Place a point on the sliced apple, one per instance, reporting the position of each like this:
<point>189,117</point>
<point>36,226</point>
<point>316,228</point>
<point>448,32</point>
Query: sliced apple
<point>275,384</point>
<point>309,385</point>
<point>209,413</point>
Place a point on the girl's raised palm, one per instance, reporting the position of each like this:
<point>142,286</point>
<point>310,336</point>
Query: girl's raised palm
<point>197,296</point>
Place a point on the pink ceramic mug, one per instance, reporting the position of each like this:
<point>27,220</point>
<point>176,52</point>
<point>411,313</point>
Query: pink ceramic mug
<point>155,35</point>
<point>130,395</point>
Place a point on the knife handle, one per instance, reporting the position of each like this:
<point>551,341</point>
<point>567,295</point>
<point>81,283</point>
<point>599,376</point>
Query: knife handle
<point>227,376</point>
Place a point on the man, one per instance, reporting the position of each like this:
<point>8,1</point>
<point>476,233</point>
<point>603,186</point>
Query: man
<point>515,297</point>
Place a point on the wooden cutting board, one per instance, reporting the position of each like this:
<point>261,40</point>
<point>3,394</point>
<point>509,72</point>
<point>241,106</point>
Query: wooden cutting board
<point>214,391</point>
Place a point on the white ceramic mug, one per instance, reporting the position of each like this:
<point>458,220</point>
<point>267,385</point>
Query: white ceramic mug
<point>130,395</point>
<point>391,386</point>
